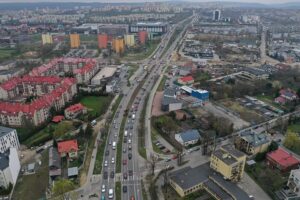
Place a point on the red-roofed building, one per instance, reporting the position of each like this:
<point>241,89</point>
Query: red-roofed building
<point>282,160</point>
<point>186,80</point>
<point>82,68</point>
<point>74,110</point>
<point>51,92</point>
<point>58,118</point>
<point>68,148</point>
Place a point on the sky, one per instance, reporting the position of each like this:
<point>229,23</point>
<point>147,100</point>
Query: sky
<point>113,1</point>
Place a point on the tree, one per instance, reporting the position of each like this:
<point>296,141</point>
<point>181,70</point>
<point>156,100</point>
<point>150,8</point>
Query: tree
<point>61,187</point>
<point>153,160</point>
<point>89,130</point>
<point>291,140</point>
<point>273,146</point>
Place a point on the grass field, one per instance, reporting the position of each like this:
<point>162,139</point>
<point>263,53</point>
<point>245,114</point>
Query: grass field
<point>245,113</point>
<point>97,105</point>
<point>50,131</point>
<point>294,127</point>
<point>6,53</point>
<point>150,47</point>
<point>162,83</point>
<point>33,186</point>
<point>270,180</point>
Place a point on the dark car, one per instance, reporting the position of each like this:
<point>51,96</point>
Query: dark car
<point>112,174</point>
<point>125,140</point>
<point>124,189</point>
<point>130,172</point>
<point>129,156</point>
<point>105,175</point>
<point>125,175</point>
<point>106,153</point>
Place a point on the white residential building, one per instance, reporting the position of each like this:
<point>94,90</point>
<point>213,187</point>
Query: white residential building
<point>8,139</point>
<point>9,167</point>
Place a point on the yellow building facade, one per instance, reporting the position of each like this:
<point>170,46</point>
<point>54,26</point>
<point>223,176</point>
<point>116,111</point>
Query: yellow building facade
<point>118,45</point>
<point>229,162</point>
<point>74,40</point>
<point>129,40</point>
<point>47,39</point>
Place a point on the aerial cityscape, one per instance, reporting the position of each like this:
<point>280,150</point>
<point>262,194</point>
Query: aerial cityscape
<point>157,100</point>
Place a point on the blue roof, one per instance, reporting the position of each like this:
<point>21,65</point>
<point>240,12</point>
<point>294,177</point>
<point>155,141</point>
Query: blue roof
<point>190,135</point>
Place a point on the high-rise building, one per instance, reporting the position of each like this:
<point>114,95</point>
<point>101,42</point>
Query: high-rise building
<point>129,40</point>
<point>47,39</point>
<point>118,45</point>
<point>143,36</point>
<point>102,41</point>
<point>74,40</point>
<point>9,168</point>
<point>216,15</point>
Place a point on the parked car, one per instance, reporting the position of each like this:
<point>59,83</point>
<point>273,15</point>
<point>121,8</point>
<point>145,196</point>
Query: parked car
<point>124,188</point>
<point>105,175</point>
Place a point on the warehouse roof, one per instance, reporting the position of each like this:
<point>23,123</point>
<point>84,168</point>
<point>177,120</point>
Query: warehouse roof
<point>105,72</point>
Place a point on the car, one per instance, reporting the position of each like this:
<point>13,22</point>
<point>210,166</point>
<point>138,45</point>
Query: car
<point>103,188</point>
<point>130,134</point>
<point>112,160</point>
<point>174,157</point>
<point>130,172</point>
<point>109,143</point>
<point>105,163</point>
<point>124,162</point>
<point>124,150</point>
<point>125,140</point>
<point>168,160</point>
<point>129,147</point>
<point>102,197</point>
<point>129,141</point>
<point>124,188</point>
<point>106,153</point>
<point>105,175</point>
<point>112,174</point>
<point>111,193</point>
<point>132,198</point>
<point>129,156</point>
<point>125,176</point>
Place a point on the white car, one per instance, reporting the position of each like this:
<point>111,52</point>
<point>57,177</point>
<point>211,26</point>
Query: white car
<point>103,188</point>
<point>105,163</point>
<point>129,141</point>
<point>112,160</point>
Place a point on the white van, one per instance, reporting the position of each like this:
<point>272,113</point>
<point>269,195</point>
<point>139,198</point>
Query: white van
<point>125,134</point>
<point>114,145</point>
<point>110,193</point>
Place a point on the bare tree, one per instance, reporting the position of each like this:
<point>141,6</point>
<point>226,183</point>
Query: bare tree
<point>153,160</point>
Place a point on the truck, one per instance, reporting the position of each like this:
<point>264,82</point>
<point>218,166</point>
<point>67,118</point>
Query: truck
<point>114,145</point>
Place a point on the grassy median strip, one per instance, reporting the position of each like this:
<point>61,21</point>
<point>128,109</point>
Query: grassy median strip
<point>141,130</point>
<point>101,148</point>
<point>119,146</point>
<point>118,190</point>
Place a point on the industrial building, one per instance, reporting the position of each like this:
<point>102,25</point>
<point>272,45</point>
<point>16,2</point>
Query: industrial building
<point>229,162</point>
<point>188,180</point>
<point>114,30</point>
<point>103,75</point>
<point>156,27</point>
<point>129,40</point>
<point>143,36</point>
<point>74,40</point>
<point>118,45</point>
<point>203,95</point>
<point>47,39</point>
<point>282,160</point>
<point>170,101</point>
<point>102,41</point>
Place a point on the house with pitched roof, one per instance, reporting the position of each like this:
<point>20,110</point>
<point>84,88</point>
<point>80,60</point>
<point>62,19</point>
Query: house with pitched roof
<point>252,142</point>
<point>74,111</point>
<point>188,137</point>
<point>68,148</point>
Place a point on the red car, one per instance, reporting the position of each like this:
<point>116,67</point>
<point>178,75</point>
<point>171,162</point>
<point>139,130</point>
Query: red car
<point>174,157</point>
<point>124,162</point>
<point>132,198</point>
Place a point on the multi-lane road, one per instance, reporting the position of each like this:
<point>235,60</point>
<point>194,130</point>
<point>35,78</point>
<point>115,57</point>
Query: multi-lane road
<point>130,176</point>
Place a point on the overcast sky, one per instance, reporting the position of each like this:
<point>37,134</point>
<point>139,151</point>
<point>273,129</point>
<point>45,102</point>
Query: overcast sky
<point>113,1</point>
